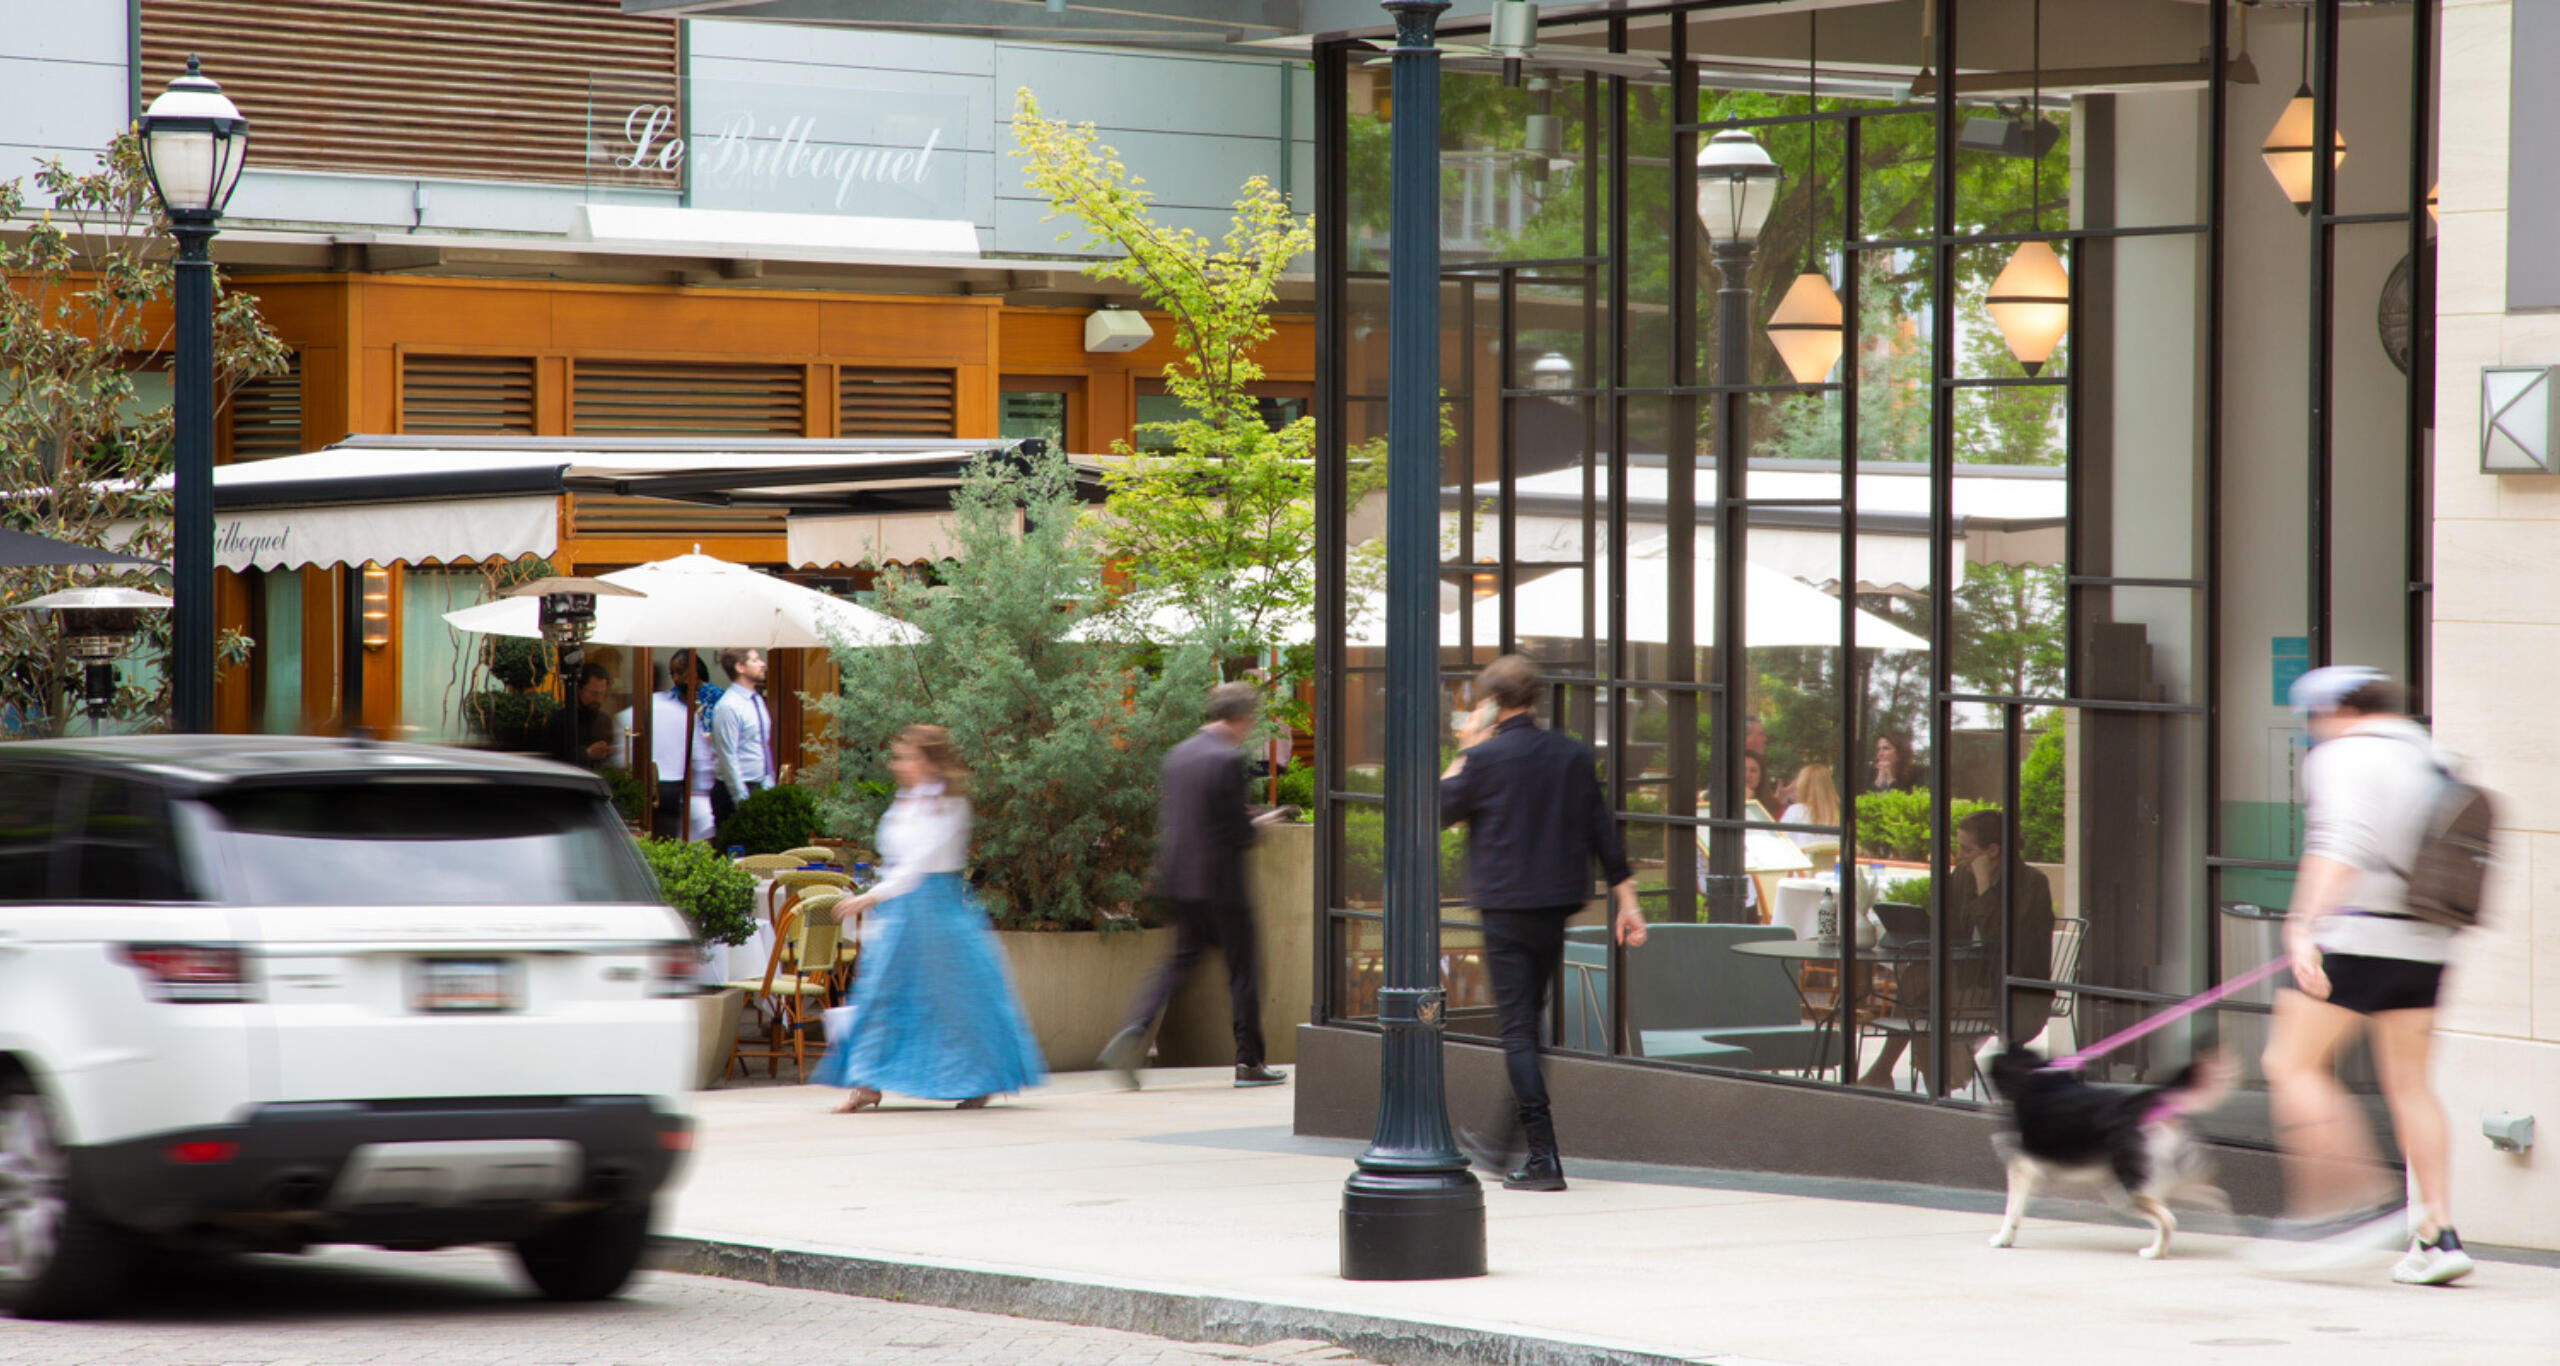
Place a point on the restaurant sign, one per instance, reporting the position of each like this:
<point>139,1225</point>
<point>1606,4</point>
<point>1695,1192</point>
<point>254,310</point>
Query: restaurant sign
<point>768,147</point>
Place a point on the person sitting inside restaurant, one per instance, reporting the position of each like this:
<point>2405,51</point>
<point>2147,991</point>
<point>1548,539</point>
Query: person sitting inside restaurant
<point>597,742</point>
<point>1972,894</point>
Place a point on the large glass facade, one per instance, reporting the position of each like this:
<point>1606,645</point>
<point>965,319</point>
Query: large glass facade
<point>2010,636</point>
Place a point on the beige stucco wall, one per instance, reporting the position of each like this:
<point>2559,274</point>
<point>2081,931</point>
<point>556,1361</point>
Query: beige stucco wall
<point>2496,657</point>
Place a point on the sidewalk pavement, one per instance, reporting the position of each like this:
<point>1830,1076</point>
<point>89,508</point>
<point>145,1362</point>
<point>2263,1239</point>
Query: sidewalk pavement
<point>1188,1209</point>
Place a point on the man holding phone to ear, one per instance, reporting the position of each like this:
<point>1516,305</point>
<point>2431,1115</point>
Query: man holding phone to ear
<point>1536,821</point>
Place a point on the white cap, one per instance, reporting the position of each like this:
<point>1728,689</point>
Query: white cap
<point>2321,690</point>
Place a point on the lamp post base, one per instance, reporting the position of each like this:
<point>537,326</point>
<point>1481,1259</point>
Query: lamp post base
<point>1412,1226</point>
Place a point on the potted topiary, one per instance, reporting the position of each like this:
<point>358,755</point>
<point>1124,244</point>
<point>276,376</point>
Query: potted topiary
<point>717,898</point>
<point>774,821</point>
<point>1061,736</point>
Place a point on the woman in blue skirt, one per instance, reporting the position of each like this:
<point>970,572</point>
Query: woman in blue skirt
<point>934,1012</point>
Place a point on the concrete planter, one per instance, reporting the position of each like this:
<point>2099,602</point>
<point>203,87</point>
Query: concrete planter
<point>1076,984</point>
<point>720,1012</point>
<point>1280,876</point>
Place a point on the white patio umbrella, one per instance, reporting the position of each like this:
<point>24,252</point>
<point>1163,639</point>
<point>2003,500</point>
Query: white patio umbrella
<point>1154,617</point>
<point>695,600</point>
<point>1779,610</point>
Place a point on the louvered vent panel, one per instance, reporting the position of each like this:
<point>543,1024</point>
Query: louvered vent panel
<point>465,89</point>
<point>467,395</point>
<point>600,514</point>
<point>897,403</point>
<point>669,398</point>
<point>266,415</point>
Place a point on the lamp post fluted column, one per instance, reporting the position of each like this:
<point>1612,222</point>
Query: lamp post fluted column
<point>1413,1211</point>
<point>191,625</point>
<point>1733,444</point>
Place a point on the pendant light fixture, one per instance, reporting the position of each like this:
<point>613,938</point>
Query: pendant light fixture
<point>2287,150</point>
<point>1806,328</point>
<point>2030,300</point>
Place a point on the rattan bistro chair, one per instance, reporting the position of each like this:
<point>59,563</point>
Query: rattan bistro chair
<point>766,865</point>
<point>810,853</point>
<point>798,982</point>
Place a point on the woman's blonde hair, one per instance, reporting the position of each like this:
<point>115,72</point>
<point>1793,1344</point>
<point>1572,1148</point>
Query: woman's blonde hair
<point>1819,796</point>
<point>933,745</point>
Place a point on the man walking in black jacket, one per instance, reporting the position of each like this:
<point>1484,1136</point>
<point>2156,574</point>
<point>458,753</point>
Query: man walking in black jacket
<point>1202,831</point>
<point>1536,821</point>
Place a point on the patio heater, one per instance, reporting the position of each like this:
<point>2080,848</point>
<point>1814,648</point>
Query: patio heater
<point>1413,1212</point>
<point>96,624</point>
<point>568,618</point>
<point>194,142</point>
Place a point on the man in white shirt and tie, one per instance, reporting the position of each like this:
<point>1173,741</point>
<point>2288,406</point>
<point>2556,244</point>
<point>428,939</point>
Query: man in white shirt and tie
<point>680,749</point>
<point>741,733</point>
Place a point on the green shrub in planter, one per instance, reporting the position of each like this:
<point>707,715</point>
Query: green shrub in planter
<point>1298,788</point>
<point>630,795</point>
<point>1906,891</point>
<point>2040,798</point>
<point>1895,824</point>
<point>715,896</point>
<point>774,821</point>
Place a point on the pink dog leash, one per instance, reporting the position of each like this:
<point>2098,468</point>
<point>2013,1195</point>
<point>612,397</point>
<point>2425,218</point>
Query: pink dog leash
<point>2168,1017</point>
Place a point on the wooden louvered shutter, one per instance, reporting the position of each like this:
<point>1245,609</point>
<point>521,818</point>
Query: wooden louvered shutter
<point>682,398</point>
<point>467,395</point>
<point>465,89</point>
<point>266,414</point>
<point>897,403</point>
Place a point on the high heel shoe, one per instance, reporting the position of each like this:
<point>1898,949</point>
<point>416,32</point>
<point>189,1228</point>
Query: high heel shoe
<point>863,1098</point>
<point>973,1103</point>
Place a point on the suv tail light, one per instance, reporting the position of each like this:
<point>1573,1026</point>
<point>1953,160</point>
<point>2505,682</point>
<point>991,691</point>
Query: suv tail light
<point>192,973</point>
<point>679,968</point>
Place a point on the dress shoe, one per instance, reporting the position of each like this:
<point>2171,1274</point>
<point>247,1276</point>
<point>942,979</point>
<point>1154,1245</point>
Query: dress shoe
<point>1122,1055</point>
<point>1255,1074</point>
<point>1541,1172</point>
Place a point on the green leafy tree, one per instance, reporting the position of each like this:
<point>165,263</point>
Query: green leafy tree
<point>80,446</point>
<point>2007,631</point>
<point>2040,797</point>
<point>1062,736</point>
<point>1217,519</point>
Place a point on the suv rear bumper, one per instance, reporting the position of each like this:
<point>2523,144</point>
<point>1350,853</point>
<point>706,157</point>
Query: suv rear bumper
<point>275,1178</point>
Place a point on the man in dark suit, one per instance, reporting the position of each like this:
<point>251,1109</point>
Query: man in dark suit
<point>1202,831</point>
<point>1536,822</point>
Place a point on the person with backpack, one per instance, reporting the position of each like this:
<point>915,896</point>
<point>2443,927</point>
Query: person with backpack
<point>2394,852</point>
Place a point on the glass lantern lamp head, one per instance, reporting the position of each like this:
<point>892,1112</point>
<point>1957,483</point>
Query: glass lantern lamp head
<point>1554,370</point>
<point>1737,186</point>
<point>194,142</point>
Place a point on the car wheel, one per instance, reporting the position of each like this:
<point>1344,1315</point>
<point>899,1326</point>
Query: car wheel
<point>58,1259</point>
<point>587,1256</point>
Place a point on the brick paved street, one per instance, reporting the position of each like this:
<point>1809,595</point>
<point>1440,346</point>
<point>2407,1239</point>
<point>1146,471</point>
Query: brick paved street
<point>464,1307</point>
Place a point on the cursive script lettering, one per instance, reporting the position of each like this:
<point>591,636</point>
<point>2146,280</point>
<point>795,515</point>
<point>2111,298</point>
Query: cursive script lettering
<point>745,149</point>
<point>237,542</point>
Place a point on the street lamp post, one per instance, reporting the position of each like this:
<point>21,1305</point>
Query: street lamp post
<point>1413,1211</point>
<point>1737,185</point>
<point>194,142</point>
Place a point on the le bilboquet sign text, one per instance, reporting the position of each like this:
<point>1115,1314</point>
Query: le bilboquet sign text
<point>783,160</point>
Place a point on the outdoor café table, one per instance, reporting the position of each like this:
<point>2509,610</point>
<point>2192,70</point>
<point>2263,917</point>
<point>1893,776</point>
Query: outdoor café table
<point>1791,954</point>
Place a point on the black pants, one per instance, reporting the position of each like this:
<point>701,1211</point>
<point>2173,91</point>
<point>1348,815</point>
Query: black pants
<point>668,810</point>
<point>1200,926</point>
<point>1524,950</point>
<point>724,805</point>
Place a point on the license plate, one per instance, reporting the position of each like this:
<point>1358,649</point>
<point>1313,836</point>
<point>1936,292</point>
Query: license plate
<point>464,986</point>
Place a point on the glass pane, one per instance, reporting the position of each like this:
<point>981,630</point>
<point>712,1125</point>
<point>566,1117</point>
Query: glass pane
<point>1893,342</point>
<point>2140,644</point>
<point>1793,673</point>
<point>1364,346</point>
<point>2370,456</point>
<point>2141,441</point>
<point>280,653</point>
<point>439,665</point>
<point>1025,415</point>
<point>1363,730</point>
<point>2132,852</point>
<point>1360,855</point>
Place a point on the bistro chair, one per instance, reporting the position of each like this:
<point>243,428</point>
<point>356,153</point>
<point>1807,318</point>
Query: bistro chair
<point>798,982</point>
<point>811,853</point>
<point>766,865</point>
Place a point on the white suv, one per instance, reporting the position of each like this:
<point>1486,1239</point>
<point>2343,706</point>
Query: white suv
<point>262,993</point>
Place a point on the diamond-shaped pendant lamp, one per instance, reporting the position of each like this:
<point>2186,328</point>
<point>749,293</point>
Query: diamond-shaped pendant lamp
<point>2287,150</point>
<point>1806,328</point>
<point>2030,302</point>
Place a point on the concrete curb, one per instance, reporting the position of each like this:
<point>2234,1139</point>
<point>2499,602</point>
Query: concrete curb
<point>1179,1315</point>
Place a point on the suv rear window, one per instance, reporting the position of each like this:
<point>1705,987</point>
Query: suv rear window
<point>418,844</point>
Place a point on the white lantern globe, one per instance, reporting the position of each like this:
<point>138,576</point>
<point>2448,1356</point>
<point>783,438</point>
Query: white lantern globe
<point>194,142</point>
<point>1737,186</point>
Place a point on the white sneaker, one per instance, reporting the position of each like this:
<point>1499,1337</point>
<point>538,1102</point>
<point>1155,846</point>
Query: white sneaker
<point>2440,1262</point>
<point>2331,1243</point>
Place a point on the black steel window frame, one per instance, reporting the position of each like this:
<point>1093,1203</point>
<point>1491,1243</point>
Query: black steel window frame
<point>1611,677</point>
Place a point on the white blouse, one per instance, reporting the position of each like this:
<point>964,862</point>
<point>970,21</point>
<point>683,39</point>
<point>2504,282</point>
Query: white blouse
<point>923,832</point>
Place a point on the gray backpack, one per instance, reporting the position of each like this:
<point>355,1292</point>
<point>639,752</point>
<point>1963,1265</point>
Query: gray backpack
<point>2455,847</point>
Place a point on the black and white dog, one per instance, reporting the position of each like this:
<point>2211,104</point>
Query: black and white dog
<point>2134,1145</point>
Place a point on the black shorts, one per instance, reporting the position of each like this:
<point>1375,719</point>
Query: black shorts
<point>2369,986</point>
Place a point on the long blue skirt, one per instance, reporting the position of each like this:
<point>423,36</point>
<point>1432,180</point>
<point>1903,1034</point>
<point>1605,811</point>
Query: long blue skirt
<point>934,1012</point>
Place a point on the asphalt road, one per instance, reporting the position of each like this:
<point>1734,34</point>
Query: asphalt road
<point>464,1307</point>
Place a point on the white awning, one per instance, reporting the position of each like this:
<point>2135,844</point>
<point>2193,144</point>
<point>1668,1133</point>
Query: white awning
<point>459,531</point>
<point>841,540</point>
